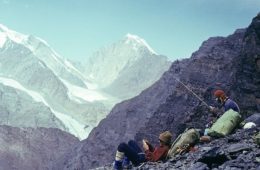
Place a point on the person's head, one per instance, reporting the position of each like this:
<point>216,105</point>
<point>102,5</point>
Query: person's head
<point>220,95</point>
<point>165,138</point>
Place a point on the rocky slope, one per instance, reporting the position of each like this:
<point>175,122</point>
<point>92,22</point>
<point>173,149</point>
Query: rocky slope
<point>29,148</point>
<point>231,63</point>
<point>236,151</point>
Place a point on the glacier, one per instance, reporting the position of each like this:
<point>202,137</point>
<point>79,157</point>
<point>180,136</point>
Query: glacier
<point>76,93</point>
<point>73,125</point>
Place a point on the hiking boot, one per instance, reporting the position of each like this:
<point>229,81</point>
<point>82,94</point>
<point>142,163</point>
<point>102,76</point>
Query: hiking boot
<point>118,165</point>
<point>126,163</point>
<point>205,139</point>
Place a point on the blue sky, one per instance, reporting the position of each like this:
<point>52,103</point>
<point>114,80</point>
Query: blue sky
<point>175,28</point>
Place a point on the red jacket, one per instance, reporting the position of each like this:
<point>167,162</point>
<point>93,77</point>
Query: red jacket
<point>157,154</point>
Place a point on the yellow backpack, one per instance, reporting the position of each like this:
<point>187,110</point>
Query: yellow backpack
<point>188,137</point>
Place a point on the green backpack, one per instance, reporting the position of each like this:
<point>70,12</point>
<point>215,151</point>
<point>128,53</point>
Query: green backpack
<point>190,136</point>
<point>225,124</point>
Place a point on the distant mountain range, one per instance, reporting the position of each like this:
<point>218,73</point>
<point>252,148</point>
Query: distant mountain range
<point>40,88</point>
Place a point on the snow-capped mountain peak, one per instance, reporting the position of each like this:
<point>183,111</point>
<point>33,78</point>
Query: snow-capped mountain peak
<point>126,65</point>
<point>43,51</point>
<point>2,39</point>
<point>3,28</point>
<point>137,42</point>
<point>12,35</point>
<point>29,41</point>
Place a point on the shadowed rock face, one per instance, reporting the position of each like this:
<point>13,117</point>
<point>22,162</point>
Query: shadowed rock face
<point>28,148</point>
<point>230,63</point>
<point>247,85</point>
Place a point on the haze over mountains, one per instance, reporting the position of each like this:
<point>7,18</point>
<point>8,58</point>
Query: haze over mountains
<point>40,88</point>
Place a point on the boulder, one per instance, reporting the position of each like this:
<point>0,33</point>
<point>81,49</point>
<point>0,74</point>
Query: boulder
<point>214,157</point>
<point>254,118</point>
<point>238,147</point>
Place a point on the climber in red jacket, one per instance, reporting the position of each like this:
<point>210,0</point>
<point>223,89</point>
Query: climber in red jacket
<point>225,101</point>
<point>132,152</point>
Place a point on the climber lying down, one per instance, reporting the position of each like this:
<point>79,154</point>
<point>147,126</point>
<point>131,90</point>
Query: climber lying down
<point>132,152</point>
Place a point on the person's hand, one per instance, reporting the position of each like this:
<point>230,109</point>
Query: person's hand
<point>145,140</point>
<point>145,146</point>
<point>212,109</point>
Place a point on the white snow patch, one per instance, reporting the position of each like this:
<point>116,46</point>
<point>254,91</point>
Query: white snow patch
<point>55,58</point>
<point>16,37</point>
<point>43,41</point>
<point>74,126</point>
<point>92,76</point>
<point>68,64</point>
<point>91,86</point>
<point>2,39</point>
<point>140,41</point>
<point>3,28</point>
<point>41,64</point>
<point>77,93</point>
<point>71,67</point>
<point>12,83</point>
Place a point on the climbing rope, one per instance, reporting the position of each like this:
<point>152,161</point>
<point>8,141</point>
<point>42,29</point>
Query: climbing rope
<point>192,92</point>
